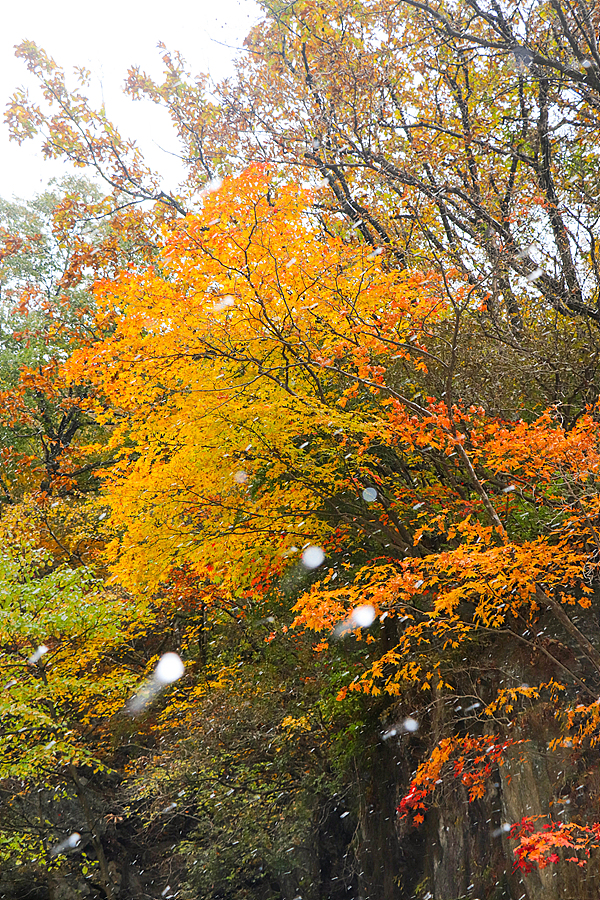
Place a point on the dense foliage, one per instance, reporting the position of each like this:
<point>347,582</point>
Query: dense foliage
<point>326,425</point>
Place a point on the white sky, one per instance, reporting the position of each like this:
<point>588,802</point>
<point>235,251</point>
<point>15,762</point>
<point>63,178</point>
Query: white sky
<point>107,38</point>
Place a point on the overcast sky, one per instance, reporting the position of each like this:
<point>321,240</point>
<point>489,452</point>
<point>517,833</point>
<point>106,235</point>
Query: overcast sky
<point>107,38</point>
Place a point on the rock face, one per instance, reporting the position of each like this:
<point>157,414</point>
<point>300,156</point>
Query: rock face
<point>463,850</point>
<point>354,846</point>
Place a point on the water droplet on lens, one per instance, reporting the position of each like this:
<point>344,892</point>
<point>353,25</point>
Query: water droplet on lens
<point>68,844</point>
<point>533,276</point>
<point>224,302</point>
<point>169,669</point>
<point>35,657</point>
<point>313,557</point>
<point>213,185</point>
<point>362,616</point>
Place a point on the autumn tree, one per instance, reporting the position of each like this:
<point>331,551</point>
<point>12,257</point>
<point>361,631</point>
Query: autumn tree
<point>430,131</point>
<point>304,365</point>
<point>56,625</point>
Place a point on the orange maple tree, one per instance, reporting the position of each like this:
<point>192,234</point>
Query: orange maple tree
<point>268,386</point>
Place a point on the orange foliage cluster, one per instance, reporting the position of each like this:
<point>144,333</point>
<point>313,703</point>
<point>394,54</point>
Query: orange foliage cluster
<point>471,759</point>
<point>538,848</point>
